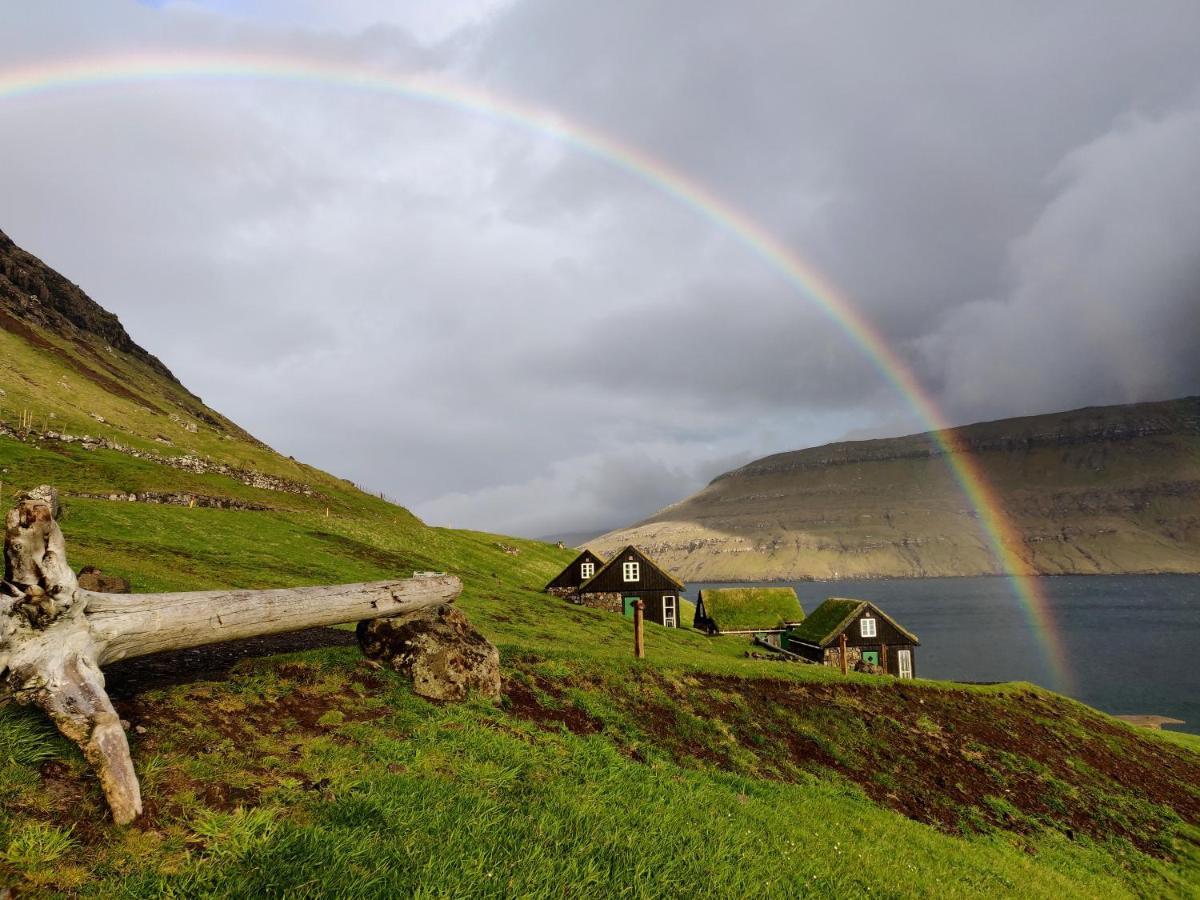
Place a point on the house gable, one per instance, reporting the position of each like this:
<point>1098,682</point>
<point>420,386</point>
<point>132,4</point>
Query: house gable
<point>572,575</point>
<point>838,615</point>
<point>649,576</point>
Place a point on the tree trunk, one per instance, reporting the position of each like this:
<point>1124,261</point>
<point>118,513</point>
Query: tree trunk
<point>129,625</point>
<point>54,637</point>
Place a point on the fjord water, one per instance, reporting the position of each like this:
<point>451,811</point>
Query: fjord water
<point>1131,643</point>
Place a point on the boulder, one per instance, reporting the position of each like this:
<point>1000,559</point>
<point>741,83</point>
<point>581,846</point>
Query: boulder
<point>92,579</point>
<point>446,657</point>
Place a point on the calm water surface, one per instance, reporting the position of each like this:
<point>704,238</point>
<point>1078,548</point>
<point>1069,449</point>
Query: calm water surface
<point>1130,642</point>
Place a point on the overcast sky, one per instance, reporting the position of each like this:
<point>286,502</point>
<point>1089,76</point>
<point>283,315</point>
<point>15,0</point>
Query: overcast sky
<point>503,332</point>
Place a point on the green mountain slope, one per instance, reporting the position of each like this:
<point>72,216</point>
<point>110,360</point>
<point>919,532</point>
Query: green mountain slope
<point>696,772</point>
<point>1103,490</point>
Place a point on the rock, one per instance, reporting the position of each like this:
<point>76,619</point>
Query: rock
<point>92,579</point>
<point>446,657</point>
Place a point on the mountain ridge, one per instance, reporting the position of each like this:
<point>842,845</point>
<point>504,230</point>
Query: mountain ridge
<point>1096,490</point>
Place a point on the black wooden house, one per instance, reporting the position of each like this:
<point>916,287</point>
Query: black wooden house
<point>867,635</point>
<point>631,576</point>
<point>567,582</point>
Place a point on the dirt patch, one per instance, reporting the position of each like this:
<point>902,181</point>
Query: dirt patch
<point>958,760</point>
<point>535,705</point>
<point>231,727</point>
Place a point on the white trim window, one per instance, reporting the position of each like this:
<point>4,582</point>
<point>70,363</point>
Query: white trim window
<point>631,571</point>
<point>866,627</point>
<point>587,570</point>
<point>669,611</point>
<point>904,663</point>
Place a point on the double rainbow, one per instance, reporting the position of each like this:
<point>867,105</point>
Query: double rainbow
<point>999,532</point>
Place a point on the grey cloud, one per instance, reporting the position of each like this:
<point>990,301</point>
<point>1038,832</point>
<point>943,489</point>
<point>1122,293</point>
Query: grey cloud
<point>505,331</point>
<point>1104,304</point>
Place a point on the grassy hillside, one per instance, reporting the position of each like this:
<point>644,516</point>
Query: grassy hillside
<point>696,772</point>
<point>1095,491</point>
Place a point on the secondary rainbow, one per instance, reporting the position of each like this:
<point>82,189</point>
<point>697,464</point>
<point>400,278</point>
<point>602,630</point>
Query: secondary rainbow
<point>1003,538</point>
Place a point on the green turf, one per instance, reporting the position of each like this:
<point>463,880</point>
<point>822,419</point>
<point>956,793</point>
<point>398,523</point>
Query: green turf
<point>747,608</point>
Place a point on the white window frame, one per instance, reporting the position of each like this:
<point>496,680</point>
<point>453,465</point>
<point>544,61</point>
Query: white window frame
<point>671,612</point>
<point>587,570</point>
<point>863,631</point>
<point>631,571</point>
<point>904,663</point>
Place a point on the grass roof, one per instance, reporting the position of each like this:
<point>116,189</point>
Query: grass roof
<point>745,609</point>
<point>826,620</point>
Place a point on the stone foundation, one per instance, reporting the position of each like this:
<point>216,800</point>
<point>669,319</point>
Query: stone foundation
<point>610,601</point>
<point>833,657</point>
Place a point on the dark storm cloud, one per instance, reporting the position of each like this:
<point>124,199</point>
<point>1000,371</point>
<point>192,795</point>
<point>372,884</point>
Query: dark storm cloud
<point>508,333</point>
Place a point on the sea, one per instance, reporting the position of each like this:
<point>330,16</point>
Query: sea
<point>1130,645</point>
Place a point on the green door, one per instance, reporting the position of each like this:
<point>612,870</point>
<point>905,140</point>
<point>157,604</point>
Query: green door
<point>871,656</point>
<point>629,601</point>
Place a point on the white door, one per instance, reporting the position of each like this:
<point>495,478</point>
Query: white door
<point>669,611</point>
<point>904,663</point>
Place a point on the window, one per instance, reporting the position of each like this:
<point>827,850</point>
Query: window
<point>631,571</point>
<point>669,618</point>
<point>866,627</point>
<point>587,570</point>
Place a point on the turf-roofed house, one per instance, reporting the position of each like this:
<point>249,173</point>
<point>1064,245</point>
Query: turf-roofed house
<point>567,582</point>
<point>630,576</point>
<point>870,639</point>
<point>765,612</point>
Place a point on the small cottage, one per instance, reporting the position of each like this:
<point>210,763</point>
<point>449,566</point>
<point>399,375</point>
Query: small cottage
<point>566,583</point>
<point>862,631</point>
<point>765,612</point>
<point>630,576</point>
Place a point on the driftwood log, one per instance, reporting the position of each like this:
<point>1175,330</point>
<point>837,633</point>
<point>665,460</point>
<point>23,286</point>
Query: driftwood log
<point>54,636</point>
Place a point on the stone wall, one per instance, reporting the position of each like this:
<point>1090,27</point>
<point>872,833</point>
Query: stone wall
<point>609,600</point>
<point>833,657</point>
<point>565,593</point>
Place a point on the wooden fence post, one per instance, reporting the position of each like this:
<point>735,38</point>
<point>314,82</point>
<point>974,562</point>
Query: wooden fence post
<point>842,646</point>
<point>639,643</point>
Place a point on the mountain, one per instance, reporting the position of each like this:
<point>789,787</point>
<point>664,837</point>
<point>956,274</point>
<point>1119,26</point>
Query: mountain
<point>1102,490</point>
<point>166,491</point>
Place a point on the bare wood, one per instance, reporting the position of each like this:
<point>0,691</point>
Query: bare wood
<point>129,625</point>
<point>639,638</point>
<point>842,651</point>
<point>54,637</point>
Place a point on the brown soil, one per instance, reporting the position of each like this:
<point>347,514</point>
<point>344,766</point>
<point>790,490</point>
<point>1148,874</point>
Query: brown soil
<point>522,701</point>
<point>957,760</point>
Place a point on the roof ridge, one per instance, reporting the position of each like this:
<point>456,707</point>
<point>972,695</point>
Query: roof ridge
<point>644,555</point>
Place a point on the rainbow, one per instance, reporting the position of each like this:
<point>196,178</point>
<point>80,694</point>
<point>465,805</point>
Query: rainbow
<point>1004,540</point>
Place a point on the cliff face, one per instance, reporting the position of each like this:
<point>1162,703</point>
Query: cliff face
<point>1102,490</point>
<point>32,292</point>
<point>51,317</point>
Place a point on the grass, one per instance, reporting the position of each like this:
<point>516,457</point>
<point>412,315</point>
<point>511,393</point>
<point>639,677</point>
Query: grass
<point>746,608</point>
<point>697,772</point>
<point>597,775</point>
